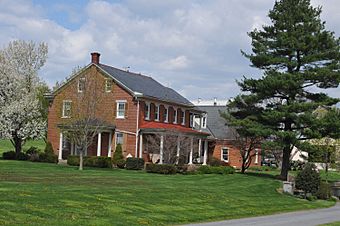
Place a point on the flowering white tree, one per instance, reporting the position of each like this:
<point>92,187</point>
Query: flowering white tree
<point>20,113</point>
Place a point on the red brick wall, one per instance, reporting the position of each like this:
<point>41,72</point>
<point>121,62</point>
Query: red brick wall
<point>234,154</point>
<point>106,111</point>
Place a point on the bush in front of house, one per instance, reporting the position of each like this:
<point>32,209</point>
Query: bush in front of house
<point>33,154</point>
<point>118,158</point>
<point>297,165</point>
<point>8,155</point>
<point>325,191</point>
<point>134,163</point>
<point>216,170</point>
<point>215,162</point>
<point>161,168</point>
<point>90,161</point>
<point>261,168</point>
<point>308,180</point>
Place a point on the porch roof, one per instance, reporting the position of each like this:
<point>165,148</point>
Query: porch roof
<point>92,123</point>
<point>157,127</point>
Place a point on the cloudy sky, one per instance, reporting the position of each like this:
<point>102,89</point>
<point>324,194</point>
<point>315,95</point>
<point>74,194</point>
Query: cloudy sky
<point>190,46</point>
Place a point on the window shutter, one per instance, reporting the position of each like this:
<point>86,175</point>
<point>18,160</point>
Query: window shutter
<point>126,109</point>
<point>115,111</point>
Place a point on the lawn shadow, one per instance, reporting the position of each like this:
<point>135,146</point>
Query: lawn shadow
<point>263,175</point>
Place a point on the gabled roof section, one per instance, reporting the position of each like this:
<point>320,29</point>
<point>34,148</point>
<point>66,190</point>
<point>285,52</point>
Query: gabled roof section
<point>144,85</point>
<point>216,124</point>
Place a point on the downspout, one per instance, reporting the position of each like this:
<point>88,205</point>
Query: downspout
<point>137,130</point>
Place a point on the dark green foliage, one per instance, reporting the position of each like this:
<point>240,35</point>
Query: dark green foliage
<point>216,170</point>
<point>297,55</point>
<point>161,168</point>
<point>90,161</point>
<point>297,165</point>
<point>9,155</point>
<point>325,191</point>
<point>48,154</point>
<point>262,168</point>
<point>118,158</point>
<point>22,156</point>
<point>215,162</point>
<point>134,163</point>
<point>33,154</point>
<point>308,180</point>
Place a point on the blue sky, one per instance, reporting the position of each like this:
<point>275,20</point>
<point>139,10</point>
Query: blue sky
<point>190,46</point>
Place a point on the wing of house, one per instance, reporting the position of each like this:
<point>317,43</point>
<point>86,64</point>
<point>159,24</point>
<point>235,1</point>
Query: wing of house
<point>132,110</point>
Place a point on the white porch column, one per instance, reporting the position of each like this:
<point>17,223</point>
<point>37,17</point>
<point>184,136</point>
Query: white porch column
<point>60,156</point>
<point>110,144</point>
<point>178,148</point>
<point>199,149</point>
<point>191,149</point>
<point>140,145</point>
<point>205,156</point>
<point>161,149</point>
<point>72,148</point>
<point>99,144</point>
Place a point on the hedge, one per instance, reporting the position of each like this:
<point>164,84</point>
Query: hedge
<point>216,170</point>
<point>134,163</point>
<point>161,168</point>
<point>90,161</point>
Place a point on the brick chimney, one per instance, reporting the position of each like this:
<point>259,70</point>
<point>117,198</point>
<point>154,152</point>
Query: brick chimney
<point>95,57</point>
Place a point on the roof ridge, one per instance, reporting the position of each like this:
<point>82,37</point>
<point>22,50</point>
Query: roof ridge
<point>133,73</point>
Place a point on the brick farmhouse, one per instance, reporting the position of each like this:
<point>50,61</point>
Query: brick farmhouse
<point>149,120</point>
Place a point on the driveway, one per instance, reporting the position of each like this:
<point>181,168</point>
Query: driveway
<point>301,218</point>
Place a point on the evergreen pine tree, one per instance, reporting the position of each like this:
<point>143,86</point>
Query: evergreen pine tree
<point>299,58</point>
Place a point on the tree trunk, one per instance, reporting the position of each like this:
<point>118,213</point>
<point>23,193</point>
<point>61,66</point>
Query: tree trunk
<point>17,145</point>
<point>243,169</point>
<point>81,160</point>
<point>285,163</point>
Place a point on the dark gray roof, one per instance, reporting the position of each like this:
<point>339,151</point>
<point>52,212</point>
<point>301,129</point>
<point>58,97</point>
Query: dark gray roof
<point>145,85</point>
<point>216,124</point>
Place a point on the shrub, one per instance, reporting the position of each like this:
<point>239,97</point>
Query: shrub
<point>216,170</point>
<point>134,163</point>
<point>325,191</point>
<point>90,161</point>
<point>311,198</point>
<point>215,162</point>
<point>297,165</point>
<point>308,180</point>
<point>118,158</point>
<point>161,168</point>
<point>22,156</point>
<point>261,168</point>
<point>33,154</point>
<point>8,155</point>
<point>48,155</point>
<point>73,160</point>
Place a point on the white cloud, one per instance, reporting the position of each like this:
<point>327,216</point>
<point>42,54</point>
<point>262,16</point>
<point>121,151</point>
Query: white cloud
<point>192,45</point>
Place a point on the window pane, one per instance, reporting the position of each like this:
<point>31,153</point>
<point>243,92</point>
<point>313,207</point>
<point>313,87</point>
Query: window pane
<point>119,138</point>
<point>121,110</point>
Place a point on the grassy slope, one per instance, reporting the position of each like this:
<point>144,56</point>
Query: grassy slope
<point>6,145</point>
<point>332,224</point>
<point>41,194</point>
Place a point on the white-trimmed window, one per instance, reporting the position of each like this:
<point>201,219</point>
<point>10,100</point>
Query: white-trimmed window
<point>191,120</point>
<point>225,154</point>
<point>121,104</point>
<point>81,85</point>
<point>166,114</point>
<point>204,121</point>
<point>147,111</point>
<point>119,138</point>
<point>256,156</point>
<point>108,85</point>
<point>175,116</point>
<point>67,106</point>
<point>183,117</point>
<point>157,113</point>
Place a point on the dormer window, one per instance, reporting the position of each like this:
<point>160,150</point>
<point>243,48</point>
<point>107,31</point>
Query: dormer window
<point>157,113</point>
<point>81,85</point>
<point>108,85</point>
<point>147,111</point>
<point>204,121</point>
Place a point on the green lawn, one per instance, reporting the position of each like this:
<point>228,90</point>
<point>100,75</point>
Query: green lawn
<point>332,224</point>
<point>6,145</point>
<point>48,194</point>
